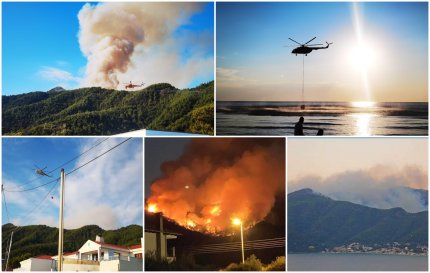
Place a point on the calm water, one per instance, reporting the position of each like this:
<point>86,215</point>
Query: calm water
<point>336,118</point>
<point>355,262</point>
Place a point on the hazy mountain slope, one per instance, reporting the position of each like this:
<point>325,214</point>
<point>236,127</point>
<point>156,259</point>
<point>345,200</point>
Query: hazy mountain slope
<point>98,111</point>
<point>319,221</point>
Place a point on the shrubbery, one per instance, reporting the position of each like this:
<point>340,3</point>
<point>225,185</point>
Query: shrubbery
<point>254,264</point>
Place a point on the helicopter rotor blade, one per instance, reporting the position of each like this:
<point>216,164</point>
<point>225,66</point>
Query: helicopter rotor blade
<point>314,44</point>
<point>296,41</point>
<point>310,40</point>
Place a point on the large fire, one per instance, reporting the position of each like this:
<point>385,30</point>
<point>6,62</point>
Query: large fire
<point>217,180</point>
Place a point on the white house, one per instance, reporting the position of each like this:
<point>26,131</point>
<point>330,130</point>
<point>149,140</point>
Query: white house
<point>93,256</point>
<point>39,263</point>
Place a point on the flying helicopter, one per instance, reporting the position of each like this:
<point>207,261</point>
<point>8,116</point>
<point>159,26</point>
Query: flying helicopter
<point>305,48</point>
<point>131,86</point>
<point>41,172</point>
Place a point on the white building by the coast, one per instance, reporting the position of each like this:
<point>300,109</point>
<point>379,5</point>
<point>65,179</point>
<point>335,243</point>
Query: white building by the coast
<point>92,256</point>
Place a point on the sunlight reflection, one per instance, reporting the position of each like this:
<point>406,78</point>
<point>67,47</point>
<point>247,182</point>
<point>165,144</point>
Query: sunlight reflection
<point>362,122</point>
<point>363,104</point>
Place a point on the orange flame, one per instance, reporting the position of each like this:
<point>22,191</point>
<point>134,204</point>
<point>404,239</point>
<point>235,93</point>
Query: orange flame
<point>217,179</point>
<point>152,208</point>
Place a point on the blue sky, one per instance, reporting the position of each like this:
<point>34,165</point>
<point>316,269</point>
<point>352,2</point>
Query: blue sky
<point>96,189</point>
<point>253,64</point>
<point>41,48</point>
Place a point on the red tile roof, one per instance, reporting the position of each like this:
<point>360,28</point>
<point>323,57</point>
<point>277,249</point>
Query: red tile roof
<point>45,257</point>
<point>135,246</point>
<point>70,253</point>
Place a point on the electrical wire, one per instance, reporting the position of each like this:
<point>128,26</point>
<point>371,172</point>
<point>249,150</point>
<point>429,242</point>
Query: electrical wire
<point>62,165</point>
<point>5,205</point>
<point>76,157</point>
<point>95,158</point>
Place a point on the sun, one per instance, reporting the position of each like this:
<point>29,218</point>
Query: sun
<point>363,57</point>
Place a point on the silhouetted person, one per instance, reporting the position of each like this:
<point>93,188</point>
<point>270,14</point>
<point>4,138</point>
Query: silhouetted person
<point>298,128</point>
<point>320,132</point>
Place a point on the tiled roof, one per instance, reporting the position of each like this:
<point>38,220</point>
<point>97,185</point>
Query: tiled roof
<point>70,253</point>
<point>135,246</point>
<point>45,257</point>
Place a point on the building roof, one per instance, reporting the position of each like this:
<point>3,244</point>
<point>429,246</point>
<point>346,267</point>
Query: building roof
<point>135,246</point>
<point>45,257</point>
<point>110,245</point>
<point>70,253</point>
<point>164,231</point>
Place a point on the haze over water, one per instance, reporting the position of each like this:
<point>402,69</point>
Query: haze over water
<point>355,262</point>
<point>335,118</point>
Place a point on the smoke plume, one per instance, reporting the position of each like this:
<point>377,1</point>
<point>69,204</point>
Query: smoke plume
<point>380,187</point>
<point>110,33</point>
<point>217,180</point>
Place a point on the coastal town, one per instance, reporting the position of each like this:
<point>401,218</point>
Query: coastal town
<point>394,248</point>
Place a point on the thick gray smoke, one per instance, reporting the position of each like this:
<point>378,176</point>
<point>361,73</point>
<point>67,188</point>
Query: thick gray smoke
<point>379,187</point>
<point>110,33</point>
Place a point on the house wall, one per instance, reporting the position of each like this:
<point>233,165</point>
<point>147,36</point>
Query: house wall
<point>109,266</point>
<point>111,253</point>
<point>89,246</point>
<point>132,265</point>
<point>40,264</point>
<point>80,265</point>
<point>34,264</point>
<point>151,243</point>
<point>120,265</point>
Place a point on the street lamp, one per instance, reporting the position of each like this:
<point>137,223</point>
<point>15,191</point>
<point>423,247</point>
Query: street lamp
<point>237,222</point>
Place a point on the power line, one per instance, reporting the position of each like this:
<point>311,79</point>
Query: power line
<point>37,206</point>
<point>76,157</point>
<point>95,158</point>
<point>30,189</point>
<point>64,164</point>
<point>74,170</point>
<point>5,205</point>
<point>57,179</point>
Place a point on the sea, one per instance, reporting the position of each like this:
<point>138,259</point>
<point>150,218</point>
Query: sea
<point>355,262</point>
<point>335,118</point>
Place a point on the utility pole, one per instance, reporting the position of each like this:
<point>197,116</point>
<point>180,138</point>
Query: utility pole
<point>8,252</point>
<point>61,225</point>
<point>241,239</point>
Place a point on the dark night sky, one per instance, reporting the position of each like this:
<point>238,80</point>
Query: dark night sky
<point>157,151</point>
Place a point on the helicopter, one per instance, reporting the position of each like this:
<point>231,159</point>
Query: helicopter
<point>306,49</point>
<point>131,86</point>
<point>41,172</point>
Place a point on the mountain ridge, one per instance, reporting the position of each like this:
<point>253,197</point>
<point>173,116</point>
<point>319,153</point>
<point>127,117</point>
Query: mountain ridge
<point>321,222</point>
<point>99,111</point>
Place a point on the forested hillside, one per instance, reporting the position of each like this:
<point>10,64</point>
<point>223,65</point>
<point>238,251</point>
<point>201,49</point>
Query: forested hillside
<point>98,111</point>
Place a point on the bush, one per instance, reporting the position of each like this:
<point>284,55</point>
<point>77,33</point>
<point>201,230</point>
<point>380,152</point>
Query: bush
<point>251,264</point>
<point>276,265</point>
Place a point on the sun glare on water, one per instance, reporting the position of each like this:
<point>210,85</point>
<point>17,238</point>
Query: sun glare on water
<point>363,104</point>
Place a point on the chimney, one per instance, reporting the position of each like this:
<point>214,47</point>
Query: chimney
<point>99,239</point>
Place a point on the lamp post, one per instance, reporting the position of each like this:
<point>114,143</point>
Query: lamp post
<point>238,222</point>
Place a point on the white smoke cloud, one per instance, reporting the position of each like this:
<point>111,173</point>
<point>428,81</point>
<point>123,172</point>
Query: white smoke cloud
<point>379,187</point>
<point>108,192</point>
<point>135,41</point>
